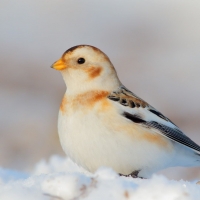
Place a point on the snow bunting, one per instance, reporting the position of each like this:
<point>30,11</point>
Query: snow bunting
<point>102,123</point>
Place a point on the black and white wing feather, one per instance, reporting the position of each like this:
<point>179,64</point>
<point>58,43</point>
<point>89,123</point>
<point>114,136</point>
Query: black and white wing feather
<point>140,112</point>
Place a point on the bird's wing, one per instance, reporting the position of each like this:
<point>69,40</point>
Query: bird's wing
<point>141,113</point>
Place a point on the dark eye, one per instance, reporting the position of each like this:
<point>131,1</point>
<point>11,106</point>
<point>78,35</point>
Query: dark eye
<point>81,60</point>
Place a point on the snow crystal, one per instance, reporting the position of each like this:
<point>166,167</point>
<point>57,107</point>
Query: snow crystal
<point>61,179</point>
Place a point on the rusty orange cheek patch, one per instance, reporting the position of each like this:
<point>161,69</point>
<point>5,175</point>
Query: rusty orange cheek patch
<point>63,104</point>
<point>93,72</point>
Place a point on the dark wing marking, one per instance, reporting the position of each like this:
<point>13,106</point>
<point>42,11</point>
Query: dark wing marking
<point>160,115</point>
<point>134,118</point>
<point>124,102</point>
<point>172,133</point>
<point>113,98</point>
<point>131,104</point>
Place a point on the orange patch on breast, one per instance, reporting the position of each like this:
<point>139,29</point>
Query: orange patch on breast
<point>94,72</point>
<point>63,104</point>
<point>105,105</point>
<point>141,134</point>
<point>155,138</point>
<point>89,99</point>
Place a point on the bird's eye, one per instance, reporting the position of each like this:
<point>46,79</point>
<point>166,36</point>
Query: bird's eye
<point>81,60</point>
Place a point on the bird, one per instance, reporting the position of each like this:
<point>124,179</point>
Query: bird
<point>103,124</point>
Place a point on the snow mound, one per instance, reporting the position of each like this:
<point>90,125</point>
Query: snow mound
<point>61,179</point>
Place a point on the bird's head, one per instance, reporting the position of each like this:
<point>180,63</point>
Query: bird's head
<point>85,67</point>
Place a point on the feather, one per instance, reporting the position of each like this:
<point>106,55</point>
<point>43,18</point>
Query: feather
<point>149,117</point>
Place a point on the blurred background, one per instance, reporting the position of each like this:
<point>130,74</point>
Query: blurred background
<point>154,45</point>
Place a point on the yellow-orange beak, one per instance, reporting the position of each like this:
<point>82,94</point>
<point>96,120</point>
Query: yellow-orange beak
<point>59,65</point>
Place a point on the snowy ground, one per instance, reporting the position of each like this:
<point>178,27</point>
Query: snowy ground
<point>61,179</point>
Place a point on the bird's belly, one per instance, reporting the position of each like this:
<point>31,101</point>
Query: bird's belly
<point>92,142</point>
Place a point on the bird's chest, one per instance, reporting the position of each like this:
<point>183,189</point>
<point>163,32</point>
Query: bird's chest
<point>82,134</point>
<point>82,110</point>
<point>81,125</point>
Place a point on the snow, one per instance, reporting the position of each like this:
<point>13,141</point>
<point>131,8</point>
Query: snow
<point>61,179</point>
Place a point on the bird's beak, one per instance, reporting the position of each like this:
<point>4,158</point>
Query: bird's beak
<point>59,65</point>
